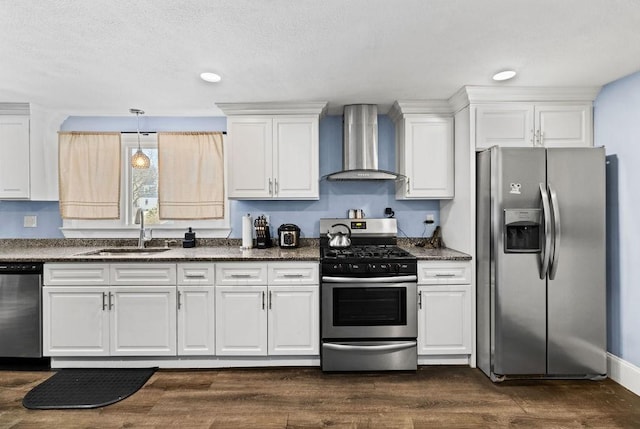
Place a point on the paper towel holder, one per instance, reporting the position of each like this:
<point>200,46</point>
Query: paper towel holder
<point>247,232</point>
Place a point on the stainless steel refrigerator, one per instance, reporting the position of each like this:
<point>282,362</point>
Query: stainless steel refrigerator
<point>541,297</point>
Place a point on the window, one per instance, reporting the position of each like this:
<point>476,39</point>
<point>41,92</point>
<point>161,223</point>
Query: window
<point>139,189</point>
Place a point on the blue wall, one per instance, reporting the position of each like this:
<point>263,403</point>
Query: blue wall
<point>617,127</point>
<point>335,197</point>
<point>12,219</point>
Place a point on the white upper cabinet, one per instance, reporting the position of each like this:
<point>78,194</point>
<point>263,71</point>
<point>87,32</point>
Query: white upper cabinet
<point>424,151</point>
<point>562,125</point>
<point>250,163</point>
<point>534,125</point>
<point>296,158</point>
<point>273,150</point>
<point>14,162</point>
<point>507,125</point>
<point>29,148</point>
<point>528,116</point>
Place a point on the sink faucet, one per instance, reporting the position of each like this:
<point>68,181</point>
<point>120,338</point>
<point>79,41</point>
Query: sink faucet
<point>142,239</point>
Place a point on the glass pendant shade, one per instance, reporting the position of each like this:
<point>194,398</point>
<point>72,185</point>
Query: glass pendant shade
<point>139,159</point>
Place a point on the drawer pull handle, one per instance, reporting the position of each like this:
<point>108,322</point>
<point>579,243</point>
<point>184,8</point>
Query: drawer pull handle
<point>293,276</point>
<point>195,276</point>
<point>445,275</point>
<point>241,276</point>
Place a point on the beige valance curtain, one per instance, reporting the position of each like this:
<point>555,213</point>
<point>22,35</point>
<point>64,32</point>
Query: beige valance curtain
<point>89,175</point>
<point>190,175</point>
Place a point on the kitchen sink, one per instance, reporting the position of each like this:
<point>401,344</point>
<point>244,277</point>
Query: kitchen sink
<point>115,251</point>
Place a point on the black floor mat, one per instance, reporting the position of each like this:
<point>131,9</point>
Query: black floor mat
<point>86,388</point>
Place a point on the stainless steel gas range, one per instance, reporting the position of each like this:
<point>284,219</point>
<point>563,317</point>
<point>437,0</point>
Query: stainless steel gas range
<point>368,298</point>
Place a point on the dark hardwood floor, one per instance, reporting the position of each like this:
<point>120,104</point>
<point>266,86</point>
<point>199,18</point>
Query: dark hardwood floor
<point>432,397</point>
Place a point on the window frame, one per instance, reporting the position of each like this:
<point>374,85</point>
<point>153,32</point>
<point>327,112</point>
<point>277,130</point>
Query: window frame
<point>124,228</point>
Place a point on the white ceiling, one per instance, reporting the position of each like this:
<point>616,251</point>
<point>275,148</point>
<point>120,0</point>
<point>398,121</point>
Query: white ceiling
<point>105,56</point>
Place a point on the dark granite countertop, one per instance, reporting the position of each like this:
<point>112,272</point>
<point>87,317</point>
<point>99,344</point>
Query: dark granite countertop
<point>75,250</point>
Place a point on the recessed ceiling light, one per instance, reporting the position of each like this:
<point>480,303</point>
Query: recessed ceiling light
<point>210,77</point>
<point>504,75</point>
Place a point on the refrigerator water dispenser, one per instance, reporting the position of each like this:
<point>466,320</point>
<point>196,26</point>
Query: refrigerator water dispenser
<point>522,230</point>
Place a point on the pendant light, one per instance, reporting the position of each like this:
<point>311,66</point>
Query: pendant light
<point>139,159</point>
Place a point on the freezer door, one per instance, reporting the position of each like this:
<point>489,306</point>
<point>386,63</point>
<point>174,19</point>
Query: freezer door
<point>518,292</point>
<point>577,278</point>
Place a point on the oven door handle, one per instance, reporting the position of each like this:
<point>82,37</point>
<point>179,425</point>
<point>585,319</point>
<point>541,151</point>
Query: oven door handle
<point>395,279</point>
<point>384,347</point>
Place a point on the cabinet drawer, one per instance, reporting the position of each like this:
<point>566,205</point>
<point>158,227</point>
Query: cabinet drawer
<point>76,274</point>
<point>289,273</point>
<point>195,274</point>
<point>143,274</point>
<point>241,273</point>
<point>444,272</point>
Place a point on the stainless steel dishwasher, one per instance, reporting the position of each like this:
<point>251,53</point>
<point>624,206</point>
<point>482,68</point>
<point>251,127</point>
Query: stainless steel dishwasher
<point>20,310</point>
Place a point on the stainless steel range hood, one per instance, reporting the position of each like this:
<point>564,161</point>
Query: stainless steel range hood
<point>360,145</point>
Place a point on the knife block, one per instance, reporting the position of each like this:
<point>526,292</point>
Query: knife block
<point>263,237</point>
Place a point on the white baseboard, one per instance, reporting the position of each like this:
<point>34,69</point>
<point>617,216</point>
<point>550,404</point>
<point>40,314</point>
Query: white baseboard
<point>624,373</point>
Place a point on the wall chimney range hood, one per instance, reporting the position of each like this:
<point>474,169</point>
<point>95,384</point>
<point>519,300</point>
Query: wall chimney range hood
<point>360,145</point>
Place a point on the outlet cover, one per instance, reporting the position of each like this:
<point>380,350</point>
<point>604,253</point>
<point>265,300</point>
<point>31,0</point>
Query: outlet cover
<point>30,221</point>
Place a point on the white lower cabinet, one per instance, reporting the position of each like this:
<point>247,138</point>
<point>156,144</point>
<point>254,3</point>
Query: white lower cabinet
<point>159,309</point>
<point>293,320</point>
<point>106,320</point>
<point>269,319</point>
<point>196,309</point>
<point>444,320</point>
<point>444,308</point>
<point>75,321</point>
<point>196,320</point>
<point>241,320</point>
<point>109,321</point>
<point>143,320</point>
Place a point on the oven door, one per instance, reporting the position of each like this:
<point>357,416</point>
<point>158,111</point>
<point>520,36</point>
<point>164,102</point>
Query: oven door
<point>369,308</point>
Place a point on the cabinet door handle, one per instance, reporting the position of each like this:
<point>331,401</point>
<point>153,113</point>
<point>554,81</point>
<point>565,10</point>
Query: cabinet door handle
<point>541,138</point>
<point>179,295</point>
<point>104,301</point>
<point>420,300</point>
<point>275,181</point>
<point>533,137</point>
<point>408,187</point>
<point>270,299</point>
<point>537,141</point>
<point>270,186</point>
<point>111,304</point>
<point>263,294</point>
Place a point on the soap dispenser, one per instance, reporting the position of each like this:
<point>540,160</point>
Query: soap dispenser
<point>189,239</point>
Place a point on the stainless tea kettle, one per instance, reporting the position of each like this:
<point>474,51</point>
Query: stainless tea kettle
<point>339,239</point>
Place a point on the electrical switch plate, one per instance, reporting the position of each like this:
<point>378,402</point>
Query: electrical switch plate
<point>30,221</point>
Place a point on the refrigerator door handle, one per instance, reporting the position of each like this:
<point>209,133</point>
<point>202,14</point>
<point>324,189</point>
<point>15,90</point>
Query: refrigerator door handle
<point>546,210</point>
<point>553,263</point>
